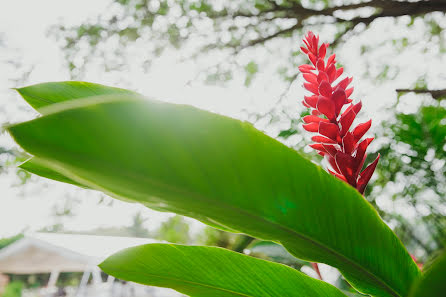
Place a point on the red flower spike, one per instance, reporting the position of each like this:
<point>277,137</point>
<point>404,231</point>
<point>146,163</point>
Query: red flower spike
<point>343,83</point>
<point>319,147</point>
<point>340,176</point>
<point>312,88</point>
<point>331,59</point>
<point>361,129</point>
<point>366,175</point>
<point>310,77</point>
<point>312,127</point>
<point>326,107</point>
<point>331,160</point>
<point>315,43</point>
<point>311,100</point>
<point>325,89</point>
<point>316,268</point>
<point>361,155</point>
<point>323,50</point>
<point>357,107</point>
<point>339,72</point>
<point>334,141</point>
<point>339,97</point>
<point>315,112</point>
<point>312,58</point>
<point>345,164</point>
<point>331,72</point>
<point>311,118</point>
<point>349,143</point>
<point>330,130</point>
<point>320,65</point>
<point>346,120</point>
<point>321,77</point>
<point>324,148</point>
<point>348,92</point>
<point>331,149</point>
<point>323,139</point>
<point>306,68</point>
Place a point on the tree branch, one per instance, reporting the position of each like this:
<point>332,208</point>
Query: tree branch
<point>272,36</point>
<point>397,9</point>
<point>436,94</point>
<point>384,8</point>
<point>373,3</point>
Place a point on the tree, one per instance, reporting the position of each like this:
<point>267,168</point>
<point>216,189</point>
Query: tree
<point>412,172</point>
<point>229,28</point>
<point>175,230</point>
<point>4,242</point>
<point>233,32</point>
<point>137,228</point>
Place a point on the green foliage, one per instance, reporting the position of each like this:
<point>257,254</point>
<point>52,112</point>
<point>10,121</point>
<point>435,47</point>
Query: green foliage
<point>216,237</point>
<point>175,230</point>
<point>209,271</point>
<point>204,26</point>
<point>414,158</point>
<point>251,69</point>
<point>275,252</point>
<point>241,180</point>
<point>4,242</point>
<point>137,229</point>
<point>13,289</point>
<point>432,283</point>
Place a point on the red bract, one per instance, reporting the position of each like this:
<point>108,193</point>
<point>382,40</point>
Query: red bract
<point>332,116</point>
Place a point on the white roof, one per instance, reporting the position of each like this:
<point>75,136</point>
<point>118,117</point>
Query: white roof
<point>47,252</point>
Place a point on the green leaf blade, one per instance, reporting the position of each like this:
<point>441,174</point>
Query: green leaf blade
<point>33,165</point>
<point>45,94</point>
<point>223,172</point>
<point>209,271</point>
<point>433,281</point>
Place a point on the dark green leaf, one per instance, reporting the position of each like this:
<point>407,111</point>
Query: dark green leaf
<point>209,271</point>
<point>433,282</point>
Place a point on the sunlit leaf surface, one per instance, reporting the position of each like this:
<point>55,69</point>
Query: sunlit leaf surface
<point>210,271</point>
<point>223,172</point>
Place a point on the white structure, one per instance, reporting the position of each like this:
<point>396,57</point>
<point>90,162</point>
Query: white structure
<point>54,253</point>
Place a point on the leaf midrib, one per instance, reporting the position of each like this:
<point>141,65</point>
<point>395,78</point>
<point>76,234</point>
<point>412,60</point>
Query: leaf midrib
<point>198,196</point>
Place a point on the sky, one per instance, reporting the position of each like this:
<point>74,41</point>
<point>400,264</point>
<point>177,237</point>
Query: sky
<point>24,29</point>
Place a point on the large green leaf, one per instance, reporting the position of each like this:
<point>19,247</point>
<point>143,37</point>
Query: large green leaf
<point>200,271</point>
<point>433,282</point>
<point>223,172</point>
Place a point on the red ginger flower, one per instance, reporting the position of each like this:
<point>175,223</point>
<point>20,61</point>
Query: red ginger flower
<point>339,144</point>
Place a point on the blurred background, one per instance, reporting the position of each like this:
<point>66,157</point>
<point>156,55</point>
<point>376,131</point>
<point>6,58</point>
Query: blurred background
<point>237,58</point>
